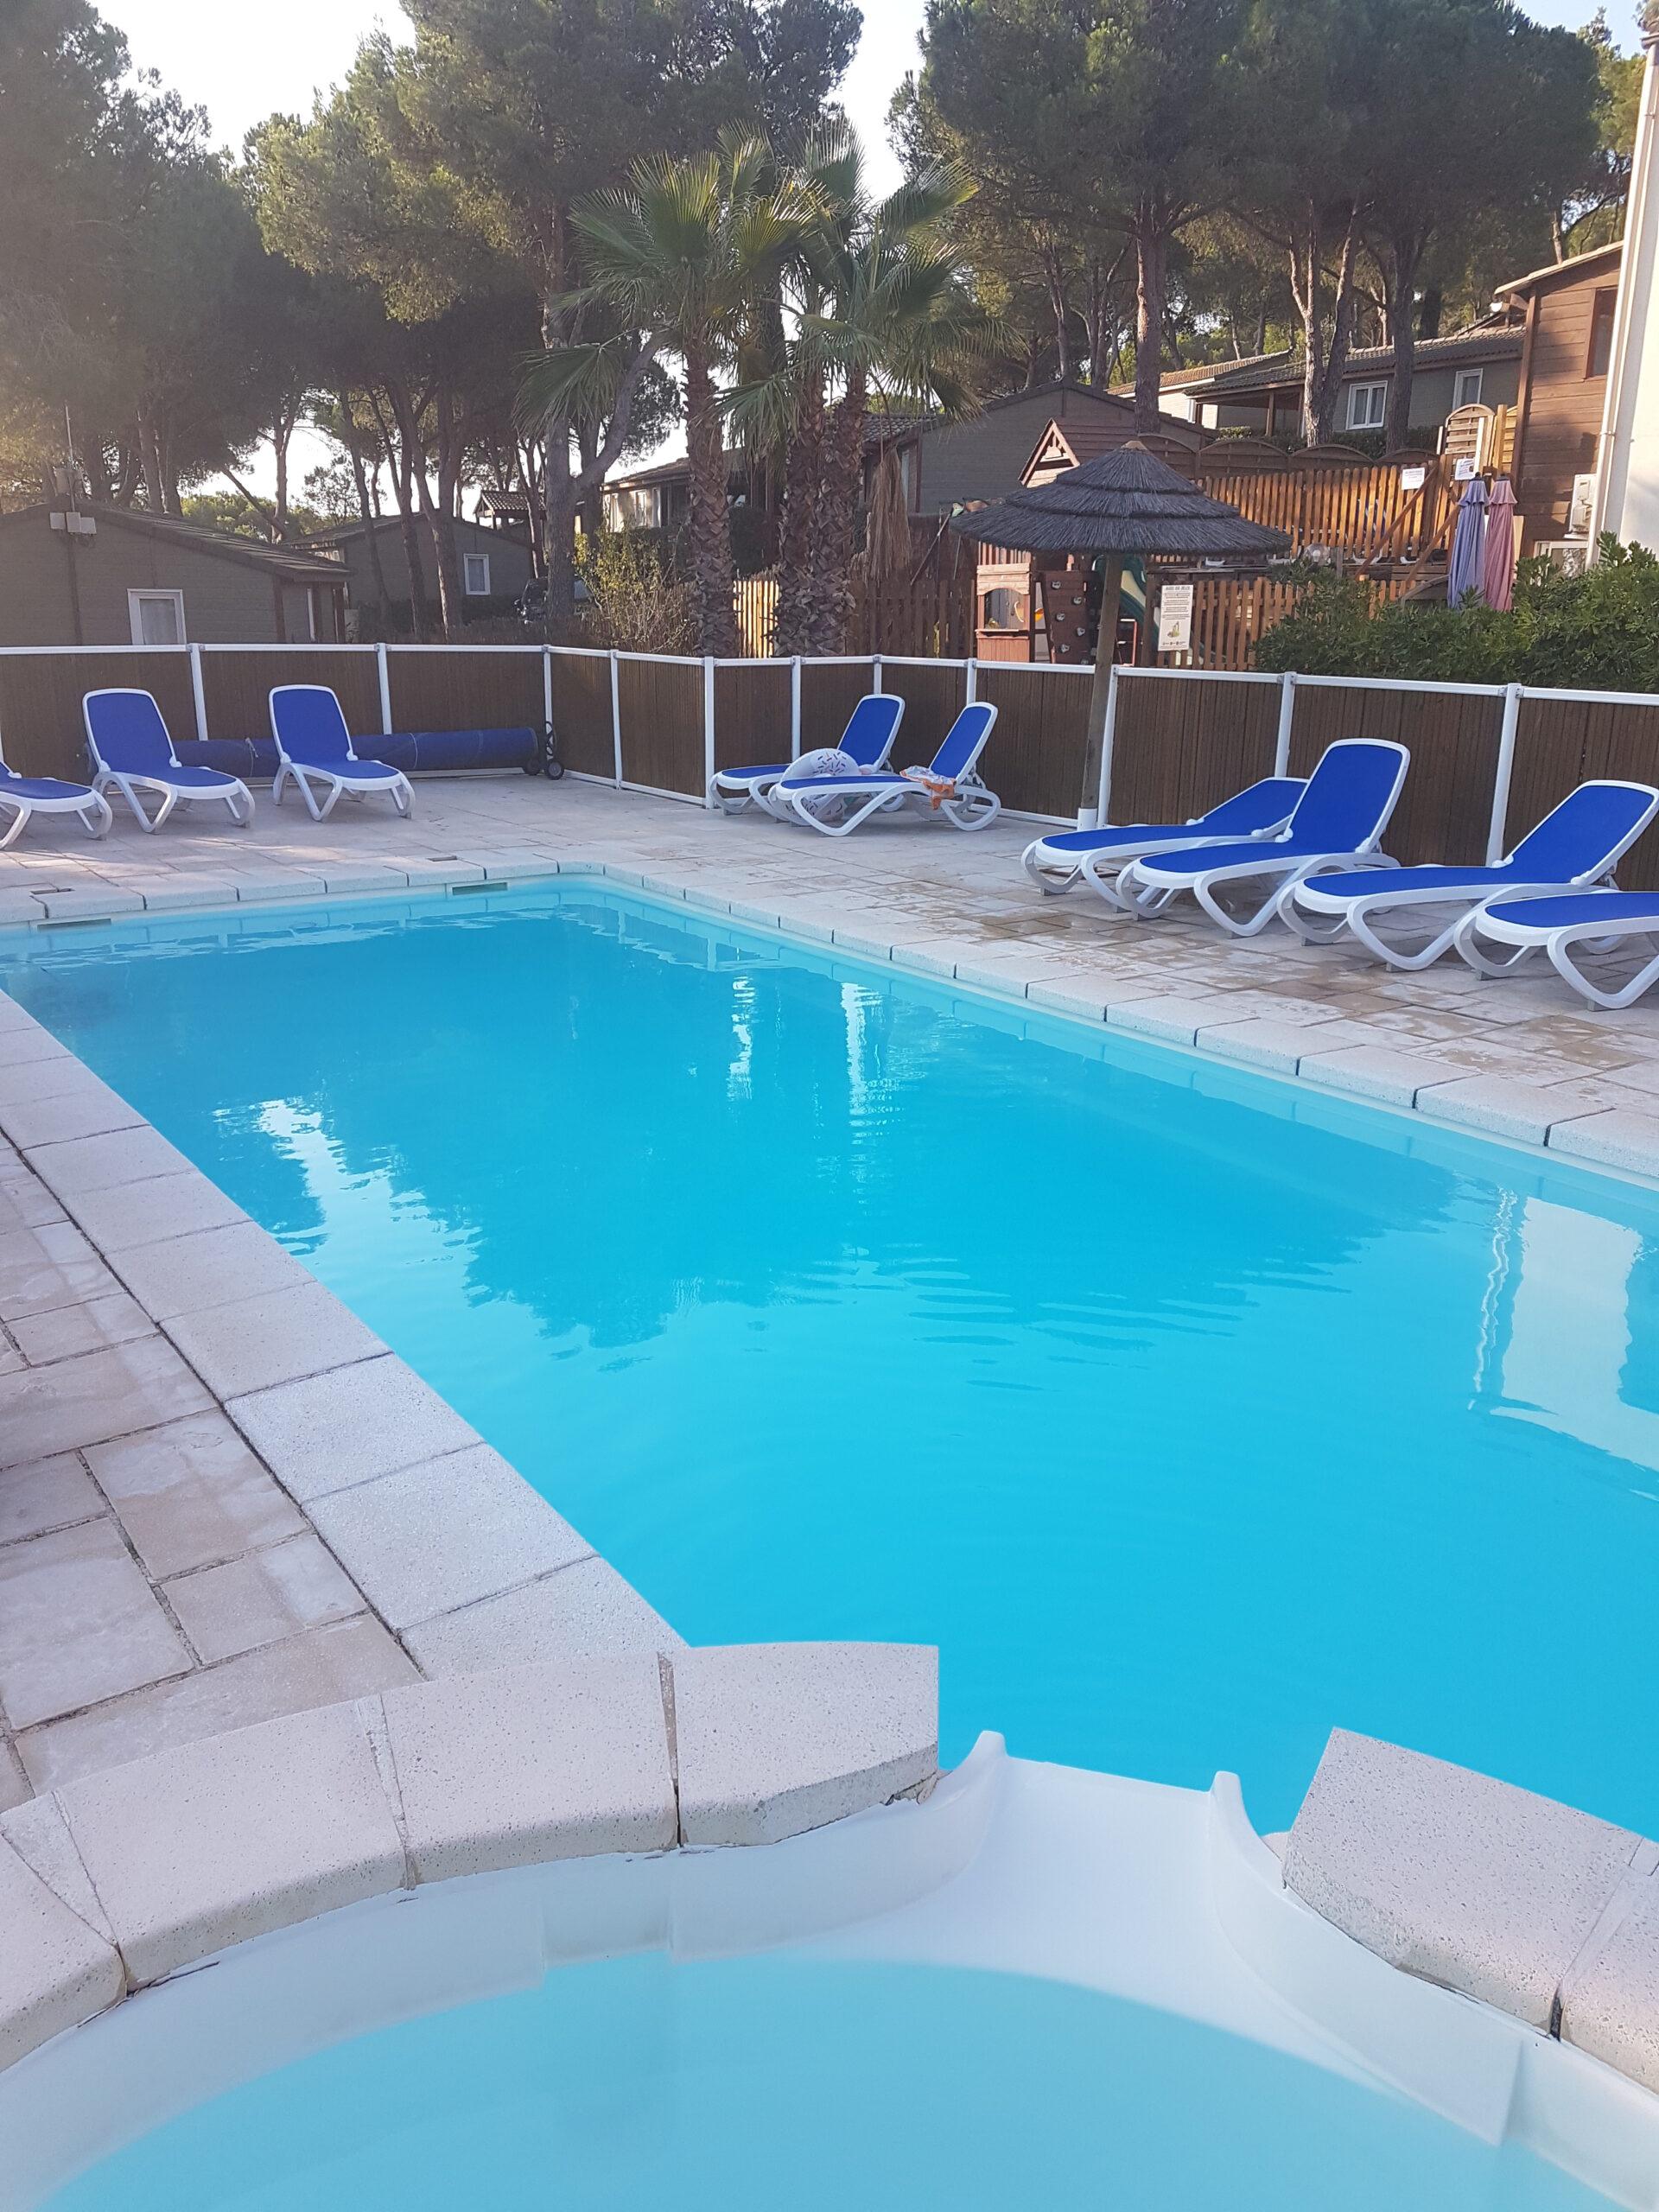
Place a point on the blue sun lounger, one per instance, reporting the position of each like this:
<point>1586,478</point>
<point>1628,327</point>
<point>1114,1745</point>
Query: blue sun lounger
<point>314,745</point>
<point>1057,860</point>
<point>867,739</point>
<point>1595,919</point>
<point>1337,821</point>
<point>950,785</point>
<point>1578,843</point>
<point>31,795</point>
<point>132,749</point>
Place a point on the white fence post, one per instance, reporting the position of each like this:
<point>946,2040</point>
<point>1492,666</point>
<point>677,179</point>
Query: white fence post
<point>1505,775</point>
<point>795,707</point>
<point>616,720</point>
<point>876,671</point>
<point>971,691</point>
<point>1287,717</point>
<point>198,692</point>
<point>1103,797</point>
<point>547,688</point>
<point>707,730</point>
<point>384,668</point>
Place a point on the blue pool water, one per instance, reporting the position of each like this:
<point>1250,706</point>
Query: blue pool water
<point>1188,1413</point>
<point>776,2083</point>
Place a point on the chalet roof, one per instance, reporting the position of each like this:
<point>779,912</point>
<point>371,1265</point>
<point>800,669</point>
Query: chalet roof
<point>1087,437</point>
<point>1479,343</point>
<point>1125,501</point>
<point>289,563</point>
<point>1602,258</point>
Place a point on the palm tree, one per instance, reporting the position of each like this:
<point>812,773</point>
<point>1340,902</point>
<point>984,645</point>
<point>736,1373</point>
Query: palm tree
<point>881,309</point>
<point>680,253</point>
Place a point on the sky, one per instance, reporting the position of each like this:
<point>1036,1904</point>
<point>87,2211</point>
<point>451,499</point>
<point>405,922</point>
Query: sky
<point>242,61</point>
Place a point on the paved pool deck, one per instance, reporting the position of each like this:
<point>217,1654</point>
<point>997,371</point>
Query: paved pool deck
<point>222,1500</point>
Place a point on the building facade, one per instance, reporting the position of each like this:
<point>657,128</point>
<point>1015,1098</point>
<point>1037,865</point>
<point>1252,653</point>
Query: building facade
<point>104,575</point>
<point>1264,396</point>
<point>1568,308</point>
<point>495,564</point>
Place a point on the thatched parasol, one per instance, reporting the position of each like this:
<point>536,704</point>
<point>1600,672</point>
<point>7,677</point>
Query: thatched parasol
<point>1126,503</point>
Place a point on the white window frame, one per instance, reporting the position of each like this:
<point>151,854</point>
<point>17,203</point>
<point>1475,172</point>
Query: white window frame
<point>136,598</point>
<point>469,563</point>
<point>1361,418</point>
<point>1462,397</point>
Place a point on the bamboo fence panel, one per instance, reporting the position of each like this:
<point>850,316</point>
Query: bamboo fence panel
<point>1179,748</point>
<point>1034,760</point>
<point>660,704</point>
<point>41,730</point>
<point>443,688</point>
<point>1446,808</point>
<point>1560,742</point>
<point>581,713</point>
<point>237,683</point>
<point>751,711</point>
<point>830,691</point>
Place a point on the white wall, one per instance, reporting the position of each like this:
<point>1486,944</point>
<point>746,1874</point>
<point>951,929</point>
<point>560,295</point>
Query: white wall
<point>1627,488</point>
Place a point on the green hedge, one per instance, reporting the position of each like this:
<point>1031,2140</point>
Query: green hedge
<point>1598,632</point>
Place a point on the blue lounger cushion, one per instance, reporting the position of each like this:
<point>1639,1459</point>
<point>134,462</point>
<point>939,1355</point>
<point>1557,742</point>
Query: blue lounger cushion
<point>1631,911</point>
<point>1363,883</point>
<point>39,787</point>
<point>1268,852</point>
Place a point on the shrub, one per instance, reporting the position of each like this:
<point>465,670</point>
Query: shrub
<point>636,603</point>
<point>1596,632</point>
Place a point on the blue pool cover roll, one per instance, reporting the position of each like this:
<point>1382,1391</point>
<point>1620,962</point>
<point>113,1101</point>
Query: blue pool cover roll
<point>443,749</point>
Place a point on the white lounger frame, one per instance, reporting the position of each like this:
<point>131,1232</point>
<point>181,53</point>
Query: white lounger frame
<point>1556,945</point>
<point>1299,902</point>
<point>397,787</point>
<point>1152,898</point>
<point>233,794</point>
<point>93,810</point>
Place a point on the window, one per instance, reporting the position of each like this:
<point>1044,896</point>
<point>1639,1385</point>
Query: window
<point>1367,405</point>
<point>1465,388</point>
<point>478,575</point>
<point>157,617</point>
<point>1600,355</point>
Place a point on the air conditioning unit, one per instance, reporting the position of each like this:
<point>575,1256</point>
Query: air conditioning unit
<point>1567,555</point>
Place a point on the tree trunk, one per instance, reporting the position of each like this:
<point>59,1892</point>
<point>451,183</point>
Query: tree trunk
<point>441,516</point>
<point>365,510</point>
<point>279,517</point>
<point>1058,307</point>
<point>1402,268</point>
<point>709,529</point>
<point>844,475</point>
<point>1306,273</point>
<point>1341,332</point>
<point>149,455</point>
<point>798,549</point>
<point>1151,253</point>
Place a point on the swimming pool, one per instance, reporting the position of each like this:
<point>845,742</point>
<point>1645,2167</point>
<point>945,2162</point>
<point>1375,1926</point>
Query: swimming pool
<point>1188,1412</point>
<point>784,2081</point>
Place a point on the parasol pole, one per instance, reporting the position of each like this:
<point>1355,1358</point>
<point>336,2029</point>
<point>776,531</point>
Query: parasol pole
<point>1100,692</point>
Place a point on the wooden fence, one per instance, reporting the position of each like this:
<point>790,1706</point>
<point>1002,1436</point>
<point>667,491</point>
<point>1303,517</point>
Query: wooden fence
<point>924,609</point>
<point>1487,761</point>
